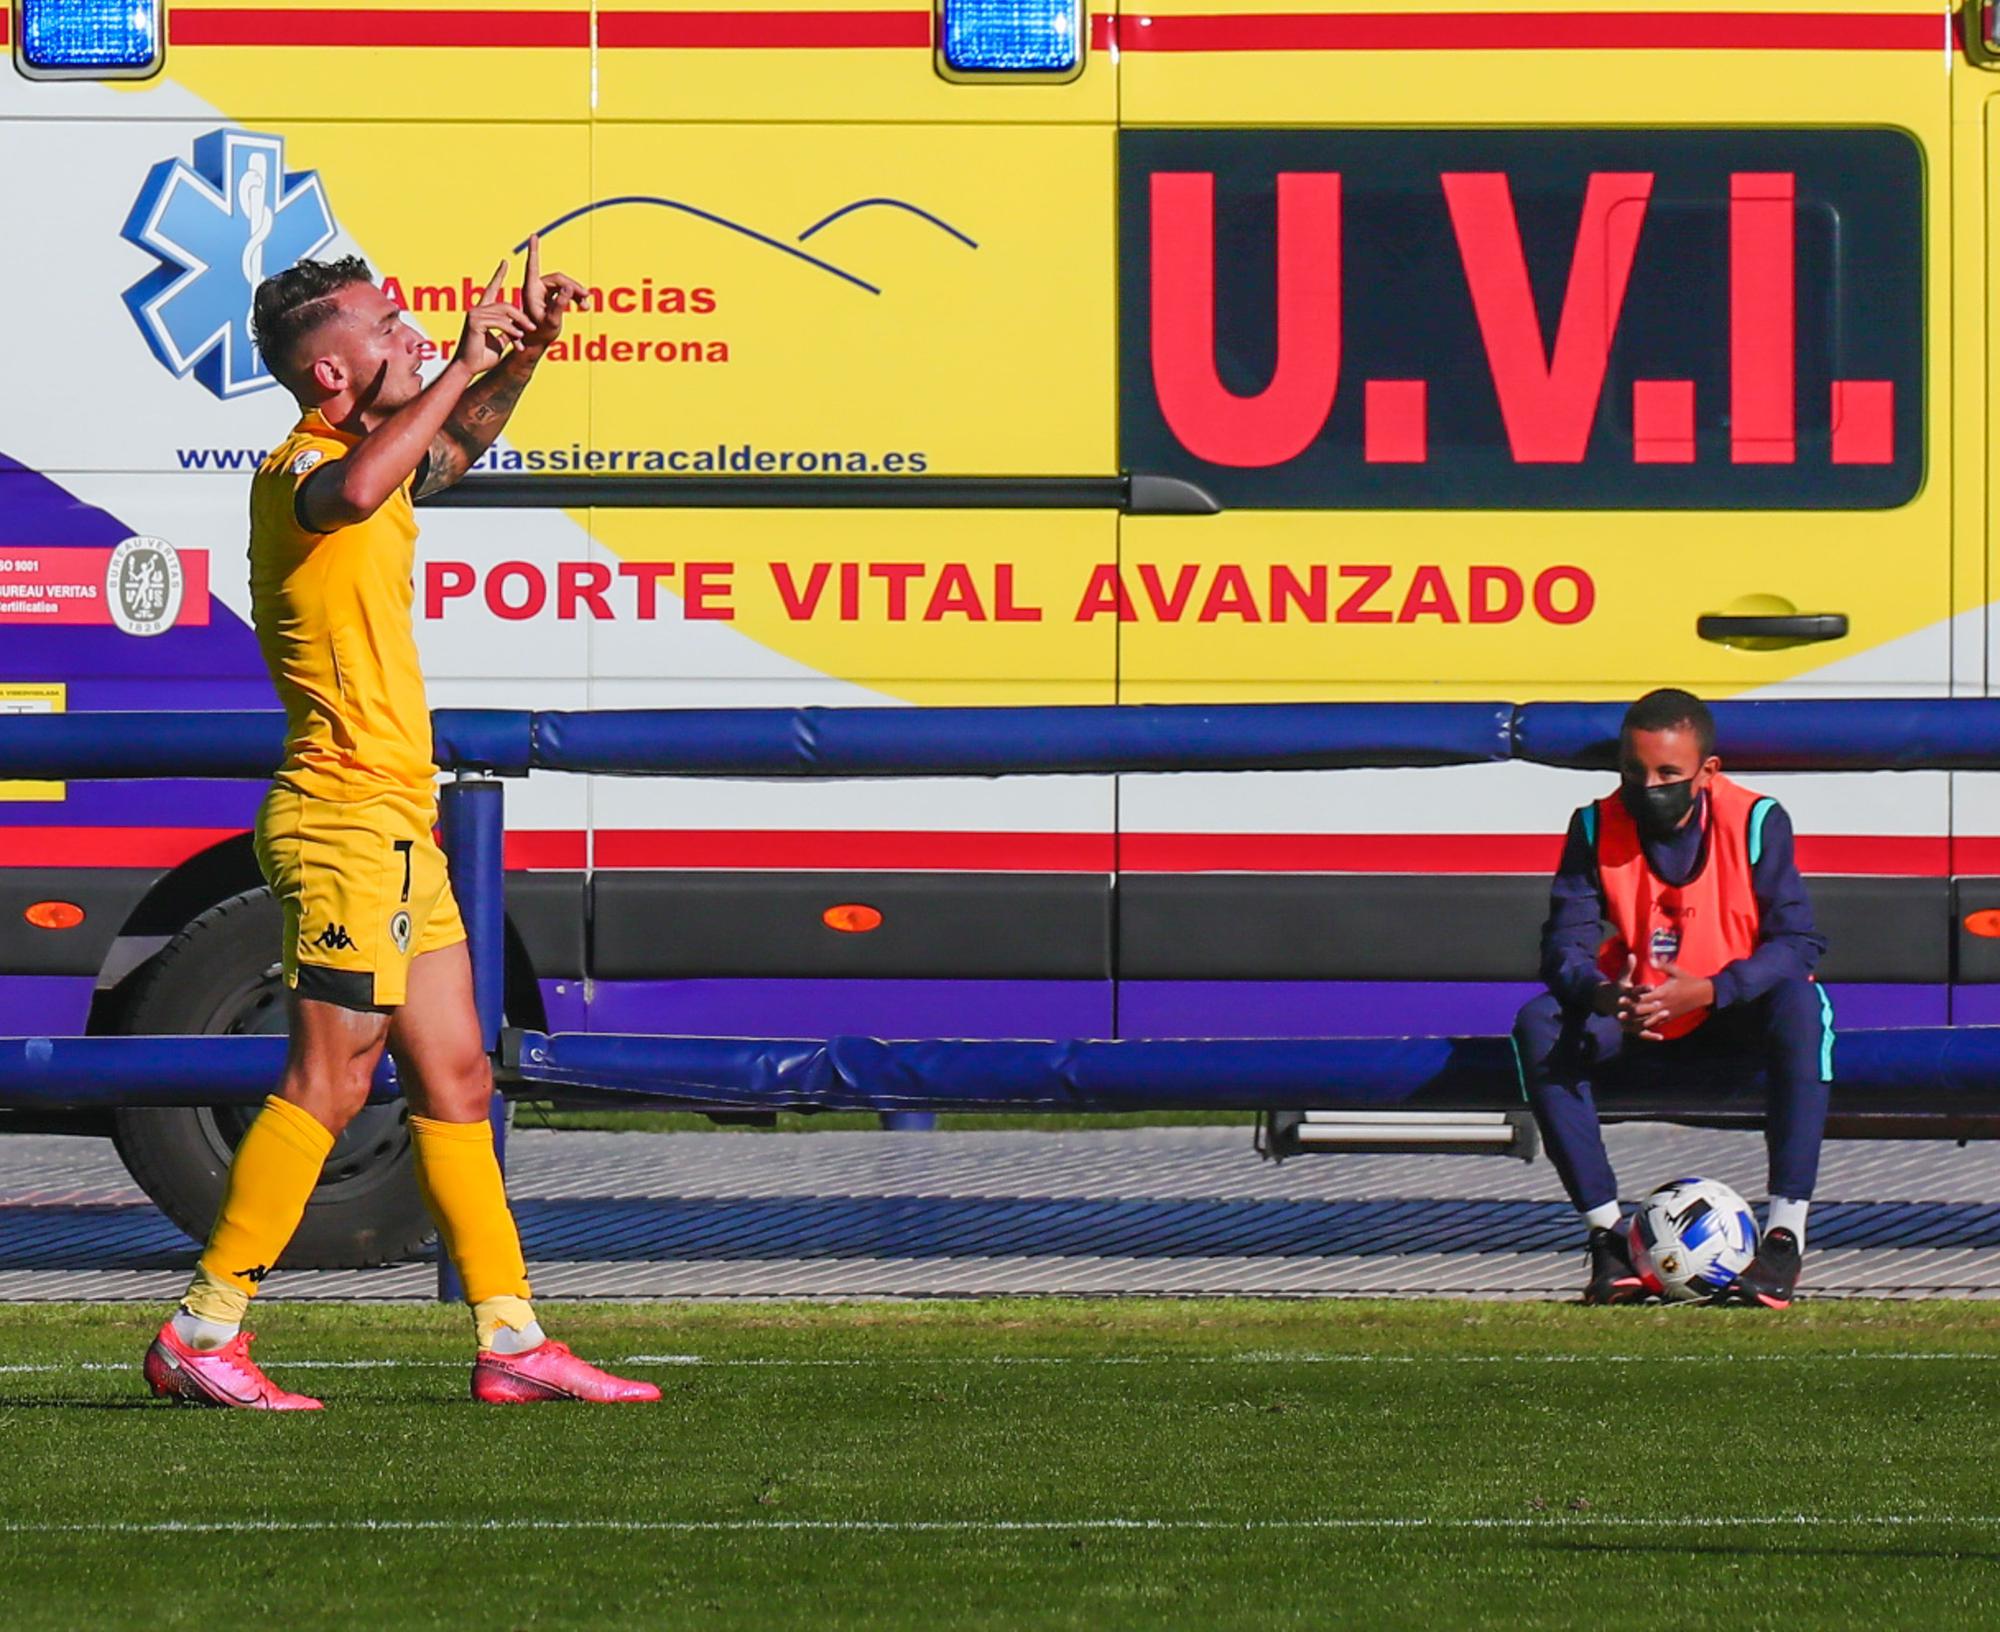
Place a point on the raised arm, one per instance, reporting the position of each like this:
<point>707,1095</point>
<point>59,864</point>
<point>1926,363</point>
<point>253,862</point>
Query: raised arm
<point>481,413</point>
<point>352,489</point>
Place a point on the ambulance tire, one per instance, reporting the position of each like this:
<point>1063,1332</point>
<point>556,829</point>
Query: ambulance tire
<point>218,975</point>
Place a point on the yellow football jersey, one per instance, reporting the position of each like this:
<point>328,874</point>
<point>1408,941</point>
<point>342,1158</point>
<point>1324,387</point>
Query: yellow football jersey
<point>333,616</point>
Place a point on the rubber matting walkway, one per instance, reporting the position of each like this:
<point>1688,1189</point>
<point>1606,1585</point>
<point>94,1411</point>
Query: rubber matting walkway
<point>1160,1211</point>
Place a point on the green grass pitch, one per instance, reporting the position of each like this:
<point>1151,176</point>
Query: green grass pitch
<point>1029,1463</point>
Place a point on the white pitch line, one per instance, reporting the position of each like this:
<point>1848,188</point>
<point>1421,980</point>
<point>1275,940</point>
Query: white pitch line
<point>1252,1358</point>
<point>1258,1358</point>
<point>1563,1521</point>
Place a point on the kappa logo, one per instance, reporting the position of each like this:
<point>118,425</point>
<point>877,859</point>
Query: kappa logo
<point>220,226</point>
<point>255,1276</point>
<point>334,938</point>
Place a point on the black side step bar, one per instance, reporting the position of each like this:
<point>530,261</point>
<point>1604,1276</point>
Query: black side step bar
<point>1135,495</point>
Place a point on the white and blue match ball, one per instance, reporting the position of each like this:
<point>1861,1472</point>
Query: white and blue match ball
<point>1691,1238</point>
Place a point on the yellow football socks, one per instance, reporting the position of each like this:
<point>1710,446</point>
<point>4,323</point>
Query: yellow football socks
<point>466,1195</point>
<point>270,1182</point>
<point>506,1324</point>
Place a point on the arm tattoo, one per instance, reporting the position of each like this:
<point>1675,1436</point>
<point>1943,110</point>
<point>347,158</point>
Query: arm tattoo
<point>444,462</point>
<point>474,424</point>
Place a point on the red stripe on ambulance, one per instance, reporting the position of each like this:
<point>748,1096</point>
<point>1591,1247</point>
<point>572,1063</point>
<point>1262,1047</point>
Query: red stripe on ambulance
<point>822,30</point>
<point>108,846</point>
<point>1877,855</point>
<point>1638,30</point>
<point>1874,855</point>
<point>856,850</point>
<point>331,26</point>
<point>170,846</point>
<point>753,30</point>
<point>551,30</point>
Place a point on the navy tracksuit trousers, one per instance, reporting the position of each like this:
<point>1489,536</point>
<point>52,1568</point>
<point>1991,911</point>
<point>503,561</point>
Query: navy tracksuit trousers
<point>1788,1032</point>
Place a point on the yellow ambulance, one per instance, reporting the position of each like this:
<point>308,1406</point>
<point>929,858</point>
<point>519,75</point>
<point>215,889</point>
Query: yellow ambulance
<point>1012,351</point>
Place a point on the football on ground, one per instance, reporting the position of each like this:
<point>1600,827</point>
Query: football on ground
<point>1691,1238</point>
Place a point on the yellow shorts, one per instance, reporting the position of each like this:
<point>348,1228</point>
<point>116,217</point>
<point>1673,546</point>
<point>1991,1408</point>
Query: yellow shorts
<point>364,890</point>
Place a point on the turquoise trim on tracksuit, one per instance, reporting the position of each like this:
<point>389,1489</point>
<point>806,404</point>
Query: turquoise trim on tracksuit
<point>1758,812</point>
<point>1826,1034</point>
<point>1589,814</point>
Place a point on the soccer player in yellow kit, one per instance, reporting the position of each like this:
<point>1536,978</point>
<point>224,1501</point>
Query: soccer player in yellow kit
<point>374,949</point>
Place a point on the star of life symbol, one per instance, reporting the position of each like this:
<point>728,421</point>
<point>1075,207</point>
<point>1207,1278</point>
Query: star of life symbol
<point>220,227</point>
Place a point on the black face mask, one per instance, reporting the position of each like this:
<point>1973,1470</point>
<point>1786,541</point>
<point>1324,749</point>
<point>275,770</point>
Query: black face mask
<point>1658,810</point>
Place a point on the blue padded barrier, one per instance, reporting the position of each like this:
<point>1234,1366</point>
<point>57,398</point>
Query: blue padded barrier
<point>501,740</point>
<point>75,747</point>
<point>748,742</point>
<point>993,741</point>
<point>129,746</point>
<point>1581,736</point>
<point>1929,1071</point>
<point>864,1074</point>
<point>1919,1071</point>
<point>1862,734</point>
<point>1848,735</point>
<point>81,1073</point>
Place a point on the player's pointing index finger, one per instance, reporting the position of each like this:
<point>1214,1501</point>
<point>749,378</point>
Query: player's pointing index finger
<point>493,285</point>
<point>534,257</point>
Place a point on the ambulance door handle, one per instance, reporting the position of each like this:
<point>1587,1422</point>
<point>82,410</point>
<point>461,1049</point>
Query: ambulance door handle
<point>1149,495</point>
<point>1794,629</point>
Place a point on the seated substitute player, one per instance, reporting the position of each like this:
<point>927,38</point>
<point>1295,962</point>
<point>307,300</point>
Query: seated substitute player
<point>1710,960</point>
<point>374,949</point>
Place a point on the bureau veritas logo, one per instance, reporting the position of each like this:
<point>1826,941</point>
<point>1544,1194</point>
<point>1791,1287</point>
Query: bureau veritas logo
<point>143,585</point>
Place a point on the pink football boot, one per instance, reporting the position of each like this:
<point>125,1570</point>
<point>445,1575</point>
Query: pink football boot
<point>225,1376</point>
<point>549,1371</point>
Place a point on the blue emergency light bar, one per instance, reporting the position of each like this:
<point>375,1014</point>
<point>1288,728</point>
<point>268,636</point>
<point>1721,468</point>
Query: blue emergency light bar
<point>1012,36</point>
<point>89,37</point>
